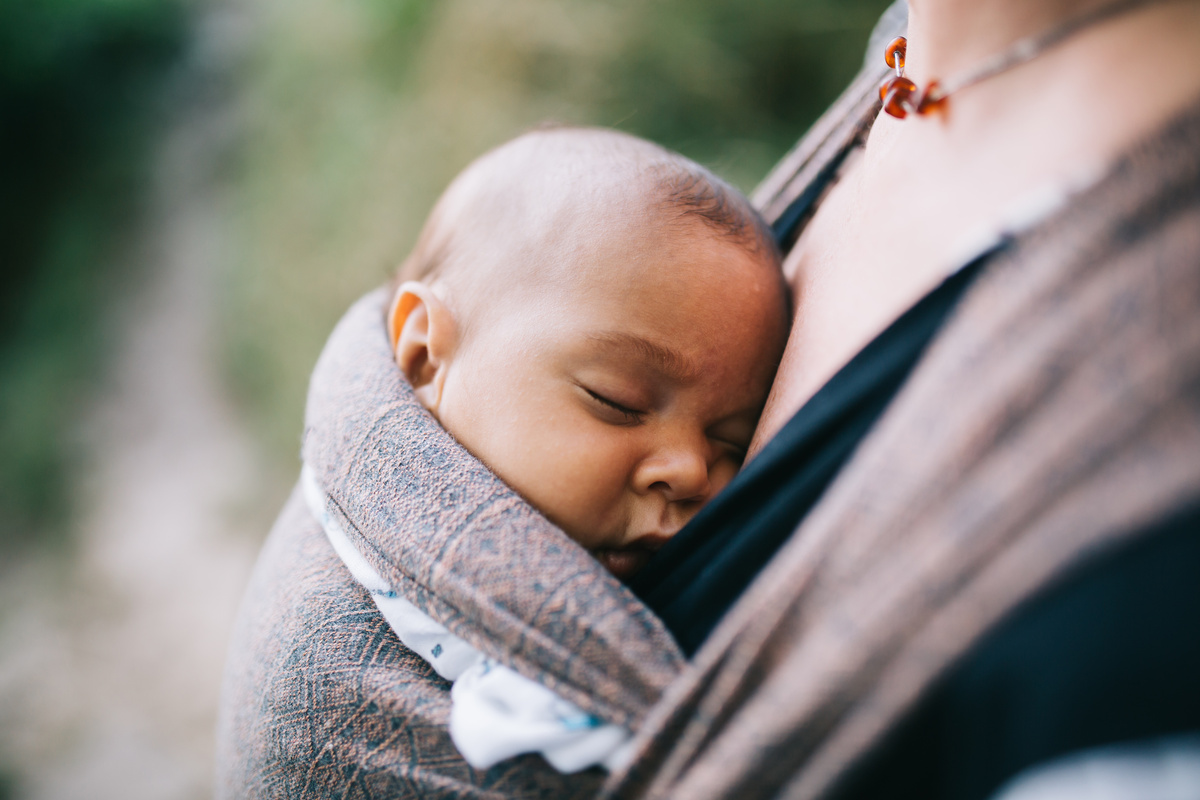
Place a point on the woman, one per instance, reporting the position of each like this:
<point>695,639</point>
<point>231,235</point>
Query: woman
<point>997,495</point>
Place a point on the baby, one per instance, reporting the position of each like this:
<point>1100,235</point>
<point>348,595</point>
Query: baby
<point>598,320</point>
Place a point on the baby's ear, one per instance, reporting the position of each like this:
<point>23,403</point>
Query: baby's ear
<point>421,330</point>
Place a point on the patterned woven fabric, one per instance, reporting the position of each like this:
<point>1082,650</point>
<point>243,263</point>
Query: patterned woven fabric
<point>1056,414</point>
<point>321,699</point>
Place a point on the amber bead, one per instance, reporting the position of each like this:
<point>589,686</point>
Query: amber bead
<point>894,54</point>
<point>932,100</point>
<point>897,94</point>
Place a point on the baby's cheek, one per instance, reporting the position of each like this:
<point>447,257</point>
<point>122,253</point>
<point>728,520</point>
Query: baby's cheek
<point>575,495</point>
<point>722,473</point>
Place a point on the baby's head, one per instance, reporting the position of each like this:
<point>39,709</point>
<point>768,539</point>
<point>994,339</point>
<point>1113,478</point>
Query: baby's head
<point>598,320</point>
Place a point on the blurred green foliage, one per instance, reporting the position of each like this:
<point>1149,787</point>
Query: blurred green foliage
<point>358,112</point>
<point>77,81</point>
<point>355,114</point>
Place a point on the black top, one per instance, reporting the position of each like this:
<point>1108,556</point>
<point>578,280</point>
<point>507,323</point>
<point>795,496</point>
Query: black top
<point>1108,654</point>
<point>699,574</point>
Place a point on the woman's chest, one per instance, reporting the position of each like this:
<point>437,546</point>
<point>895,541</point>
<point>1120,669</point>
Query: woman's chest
<point>859,264</point>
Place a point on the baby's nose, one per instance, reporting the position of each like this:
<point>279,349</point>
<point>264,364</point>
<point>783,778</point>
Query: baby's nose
<point>678,473</point>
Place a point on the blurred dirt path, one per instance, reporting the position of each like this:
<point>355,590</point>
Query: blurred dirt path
<point>110,658</point>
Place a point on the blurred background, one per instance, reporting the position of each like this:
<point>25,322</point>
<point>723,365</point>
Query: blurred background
<point>191,194</point>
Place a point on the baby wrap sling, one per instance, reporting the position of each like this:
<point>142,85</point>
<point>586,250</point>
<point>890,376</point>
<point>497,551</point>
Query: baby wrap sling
<point>321,698</point>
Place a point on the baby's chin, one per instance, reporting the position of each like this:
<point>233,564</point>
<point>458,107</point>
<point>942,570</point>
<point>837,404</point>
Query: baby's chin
<point>624,563</point>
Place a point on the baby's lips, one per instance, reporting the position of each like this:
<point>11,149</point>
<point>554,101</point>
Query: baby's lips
<point>651,542</point>
<point>623,563</point>
<point>628,560</point>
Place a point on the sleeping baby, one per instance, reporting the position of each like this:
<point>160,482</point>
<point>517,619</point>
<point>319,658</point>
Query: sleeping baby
<point>598,320</point>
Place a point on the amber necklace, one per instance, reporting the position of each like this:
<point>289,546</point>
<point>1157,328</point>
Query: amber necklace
<point>901,97</point>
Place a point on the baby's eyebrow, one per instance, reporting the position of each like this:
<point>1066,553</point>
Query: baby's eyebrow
<point>670,362</point>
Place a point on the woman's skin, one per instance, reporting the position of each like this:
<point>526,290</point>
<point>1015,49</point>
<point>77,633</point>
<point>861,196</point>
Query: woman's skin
<point>907,211</point>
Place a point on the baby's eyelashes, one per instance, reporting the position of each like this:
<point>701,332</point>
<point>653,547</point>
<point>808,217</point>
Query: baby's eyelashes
<point>732,435</point>
<point>733,450</point>
<point>611,411</point>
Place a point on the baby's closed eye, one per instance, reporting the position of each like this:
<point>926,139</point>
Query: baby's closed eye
<point>612,411</point>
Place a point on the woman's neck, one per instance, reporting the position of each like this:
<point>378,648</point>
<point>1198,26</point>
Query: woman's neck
<point>947,37</point>
<point>1127,72</point>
